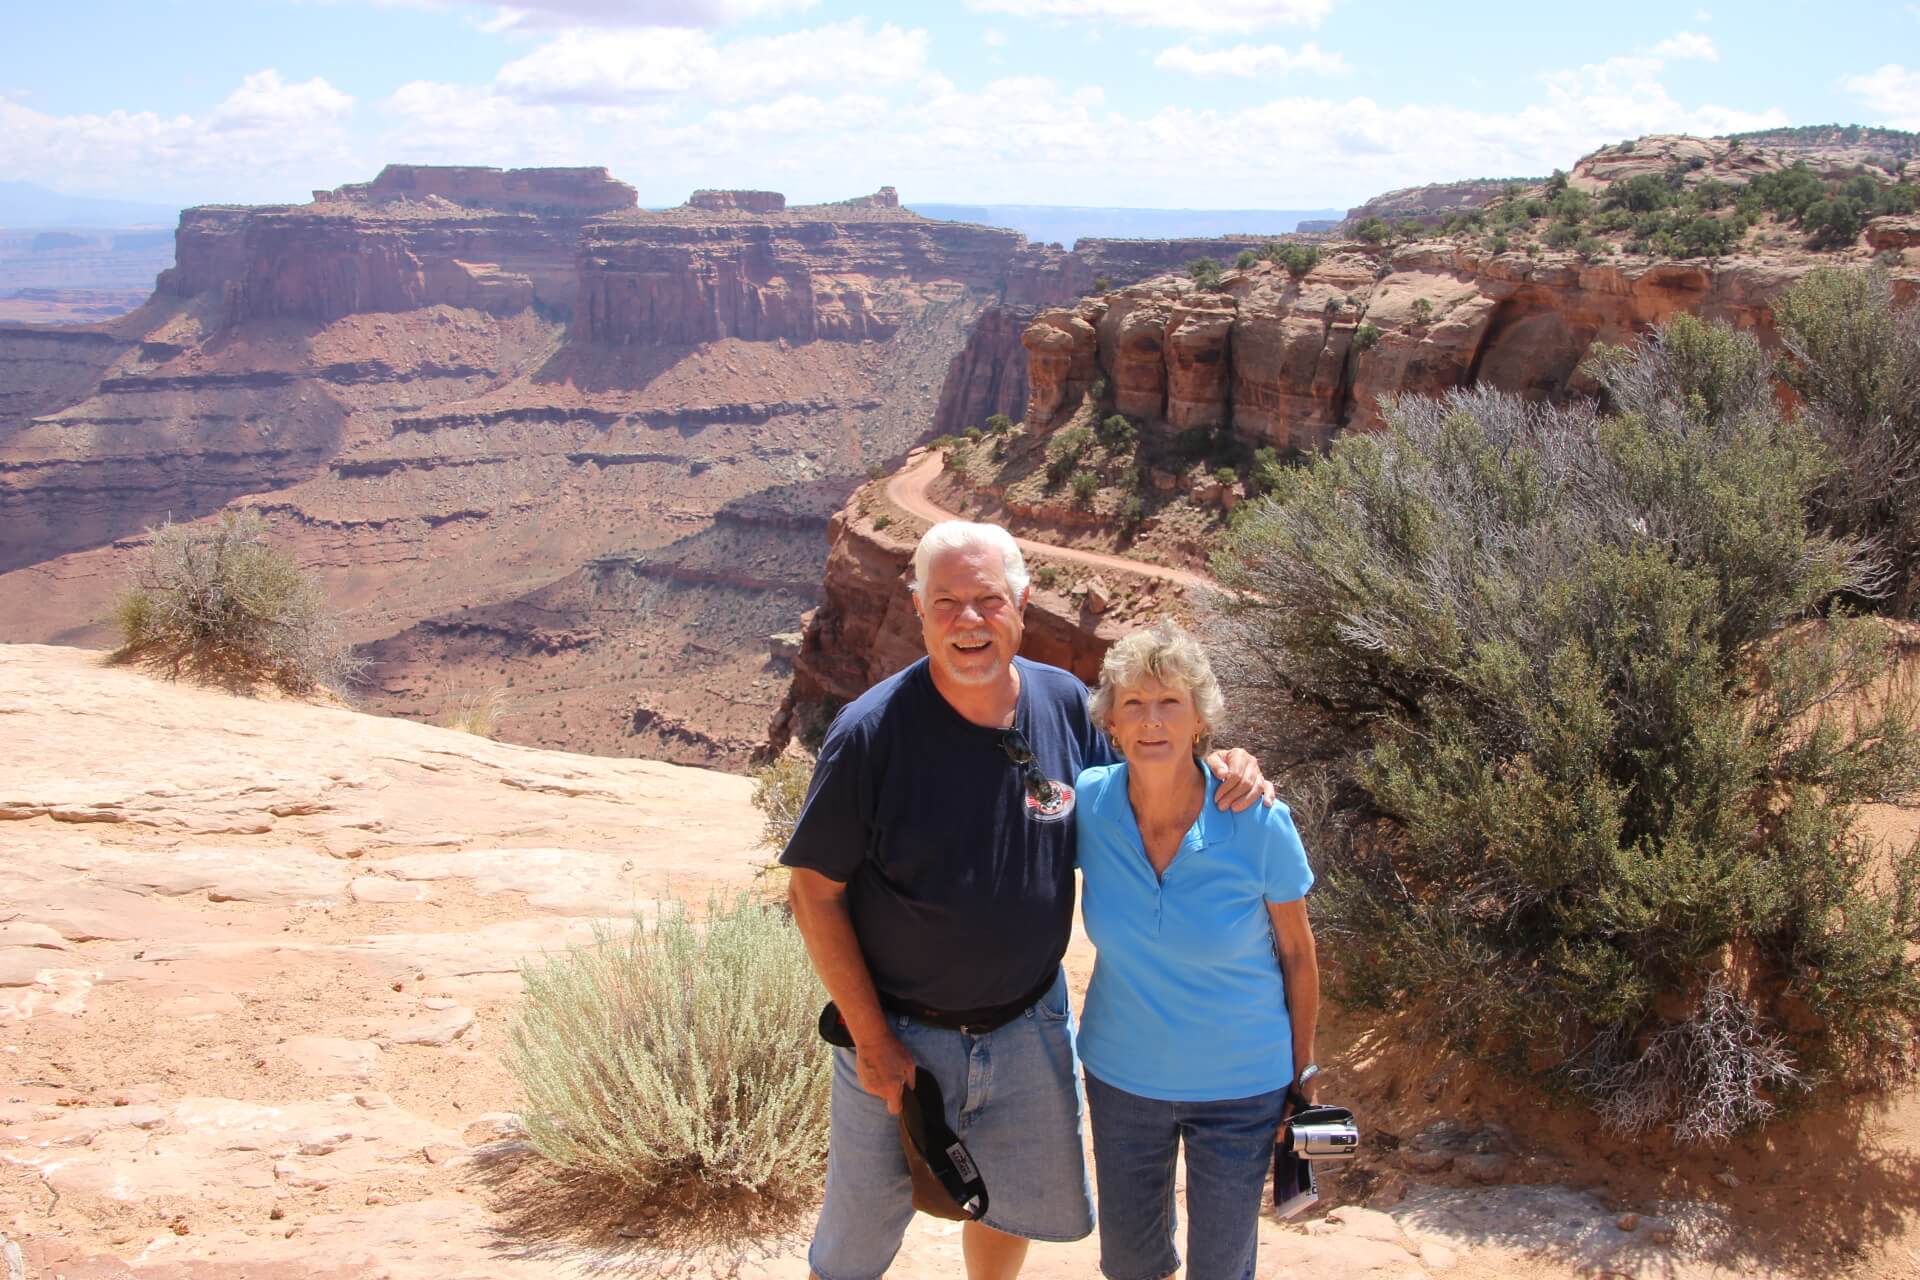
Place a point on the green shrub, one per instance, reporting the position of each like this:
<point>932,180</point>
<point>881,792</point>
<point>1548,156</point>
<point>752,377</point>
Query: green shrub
<point>1118,434</point>
<point>1132,512</point>
<point>1374,231</point>
<point>1603,798</point>
<point>678,1053</point>
<point>1833,223</point>
<point>1245,258</point>
<point>1562,236</point>
<point>1064,452</point>
<point>1365,336</point>
<point>218,603</point>
<point>1084,486</point>
<point>779,792</point>
<point>999,424</point>
<point>1642,193</point>
<point>1298,259</point>
<point>1854,358</point>
<point>882,521</point>
<point>1045,576</point>
<point>1097,390</point>
<point>974,435</point>
<point>1205,272</point>
<point>1225,475</point>
<point>1500,244</point>
<point>1422,311</point>
<point>1101,284</point>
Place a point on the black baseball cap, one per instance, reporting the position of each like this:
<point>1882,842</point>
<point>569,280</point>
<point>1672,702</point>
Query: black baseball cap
<point>946,1181</point>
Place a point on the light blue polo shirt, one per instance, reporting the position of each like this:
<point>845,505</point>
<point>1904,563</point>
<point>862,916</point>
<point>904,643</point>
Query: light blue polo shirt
<point>1186,1003</point>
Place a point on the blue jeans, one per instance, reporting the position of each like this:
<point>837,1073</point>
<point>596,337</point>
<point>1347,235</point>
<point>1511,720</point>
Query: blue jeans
<point>1229,1150</point>
<point>1012,1095</point>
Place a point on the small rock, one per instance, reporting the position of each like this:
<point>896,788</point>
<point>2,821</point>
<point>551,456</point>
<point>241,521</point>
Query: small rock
<point>1098,596</point>
<point>440,1002</point>
<point>294,1176</point>
<point>1482,1168</point>
<point>1367,1224</point>
<point>443,1029</point>
<point>1628,1222</point>
<point>493,1127</point>
<point>440,1152</point>
<point>1727,1178</point>
<point>1438,1257</point>
<point>379,889</point>
<point>321,1143</point>
<point>1426,1161</point>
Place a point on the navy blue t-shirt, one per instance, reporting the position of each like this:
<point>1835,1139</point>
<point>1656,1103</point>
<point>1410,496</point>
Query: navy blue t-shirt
<point>960,887</point>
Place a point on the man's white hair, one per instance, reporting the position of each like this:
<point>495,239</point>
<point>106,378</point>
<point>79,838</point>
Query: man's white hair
<point>959,535</point>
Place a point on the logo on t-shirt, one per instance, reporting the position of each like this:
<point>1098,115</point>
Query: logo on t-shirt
<point>1057,804</point>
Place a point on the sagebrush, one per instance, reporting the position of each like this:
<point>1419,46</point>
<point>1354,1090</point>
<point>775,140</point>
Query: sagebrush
<point>779,793</point>
<point>219,602</point>
<point>679,1051</point>
<point>1853,355</point>
<point>1597,742</point>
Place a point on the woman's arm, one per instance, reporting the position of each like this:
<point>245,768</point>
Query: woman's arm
<point>1300,972</point>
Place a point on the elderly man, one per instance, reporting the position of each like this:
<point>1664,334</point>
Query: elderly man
<point>933,882</point>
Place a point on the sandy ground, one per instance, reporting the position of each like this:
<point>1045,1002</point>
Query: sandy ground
<point>257,961</point>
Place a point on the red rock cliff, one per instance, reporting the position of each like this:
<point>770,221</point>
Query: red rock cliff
<point>1275,359</point>
<point>579,190</point>
<point>795,276</point>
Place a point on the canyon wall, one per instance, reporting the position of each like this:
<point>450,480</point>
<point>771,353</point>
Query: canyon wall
<point>1275,358</point>
<point>864,628</point>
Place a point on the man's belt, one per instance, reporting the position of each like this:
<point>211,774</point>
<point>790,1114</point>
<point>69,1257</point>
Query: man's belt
<point>975,1022</point>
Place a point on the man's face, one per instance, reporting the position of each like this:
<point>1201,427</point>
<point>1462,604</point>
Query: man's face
<point>970,621</point>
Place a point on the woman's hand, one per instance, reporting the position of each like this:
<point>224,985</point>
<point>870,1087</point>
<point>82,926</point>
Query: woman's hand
<point>1241,781</point>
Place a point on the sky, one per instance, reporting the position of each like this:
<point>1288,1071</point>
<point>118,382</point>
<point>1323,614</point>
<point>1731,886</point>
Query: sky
<point>1200,104</point>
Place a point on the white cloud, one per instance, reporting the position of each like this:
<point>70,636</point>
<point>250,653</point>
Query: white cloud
<point>993,38</point>
<point>1206,15</point>
<point>1249,60</point>
<point>268,134</point>
<point>1687,45</point>
<point>549,14</point>
<point>1703,16</point>
<point>1892,93</point>
<point>580,66</point>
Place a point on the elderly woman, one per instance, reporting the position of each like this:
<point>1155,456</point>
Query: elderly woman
<point>1200,1017</point>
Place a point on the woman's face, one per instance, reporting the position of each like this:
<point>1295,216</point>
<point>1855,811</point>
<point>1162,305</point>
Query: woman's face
<point>1154,722</point>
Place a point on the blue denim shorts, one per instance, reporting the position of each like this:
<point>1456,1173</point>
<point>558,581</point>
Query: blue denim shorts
<point>1013,1096</point>
<point>1229,1150</point>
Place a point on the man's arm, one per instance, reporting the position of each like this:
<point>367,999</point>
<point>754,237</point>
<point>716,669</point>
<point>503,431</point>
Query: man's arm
<point>1241,781</point>
<point>820,910</point>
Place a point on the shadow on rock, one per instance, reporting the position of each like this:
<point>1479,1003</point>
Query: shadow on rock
<point>599,1226</point>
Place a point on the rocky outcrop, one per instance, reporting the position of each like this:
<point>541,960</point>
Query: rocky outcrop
<point>582,190</point>
<point>793,277</point>
<point>1894,234</point>
<point>737,201</point>
<point>1275,357</point>
<point>865,629</point>
<point>1429,205</point>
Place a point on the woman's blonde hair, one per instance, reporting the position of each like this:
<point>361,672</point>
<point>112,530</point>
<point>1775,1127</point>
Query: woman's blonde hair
<point>1166,652</point>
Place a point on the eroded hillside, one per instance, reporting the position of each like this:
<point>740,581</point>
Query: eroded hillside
<point>529,437</point>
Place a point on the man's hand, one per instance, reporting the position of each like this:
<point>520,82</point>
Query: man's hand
<point>1241,781</point>
<point>884,1066</point>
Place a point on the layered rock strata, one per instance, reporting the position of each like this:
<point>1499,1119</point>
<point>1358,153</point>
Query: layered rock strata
<point>1279,361</point>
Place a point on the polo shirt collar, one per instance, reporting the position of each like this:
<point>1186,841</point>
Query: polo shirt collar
<point>1212,826</point>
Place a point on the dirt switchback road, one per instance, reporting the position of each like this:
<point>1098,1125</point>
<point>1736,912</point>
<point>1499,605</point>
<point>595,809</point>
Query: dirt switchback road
<point>908,491</point>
